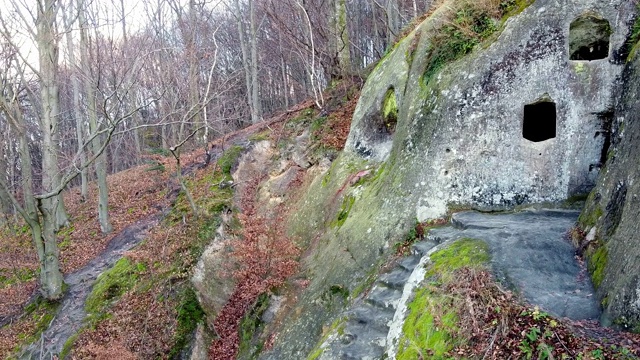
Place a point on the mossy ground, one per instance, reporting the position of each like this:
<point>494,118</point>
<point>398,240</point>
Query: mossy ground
<point>148,291</point>
<point>461,312</point>
<point>110,286</point>
<point>41,312</point>
<point>189,315</point>
<point>432,326</point>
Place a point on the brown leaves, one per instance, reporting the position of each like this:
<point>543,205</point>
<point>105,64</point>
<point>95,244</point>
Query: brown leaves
<point>266,258</point>
<point>495,325</point>
<point>141,326</point>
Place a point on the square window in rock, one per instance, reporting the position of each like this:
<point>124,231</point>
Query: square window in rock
<point>589,38</point>
<point>539,121</point>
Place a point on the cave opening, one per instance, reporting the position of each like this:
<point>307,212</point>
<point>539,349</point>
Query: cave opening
<point>589,38</point>
<point>539,122</point>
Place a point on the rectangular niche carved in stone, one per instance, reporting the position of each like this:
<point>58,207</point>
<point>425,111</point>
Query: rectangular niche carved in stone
<point>539,122</point>
<point>589,38</point>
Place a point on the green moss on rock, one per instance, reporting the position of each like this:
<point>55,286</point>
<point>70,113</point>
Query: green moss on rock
<point>589,217</point>
<point>424,335</point>
<point>597,262</point>
<point>431,328</point>
<point>462,253</point>
<point>249,325</point>
<point>229,158</point>
<point>347,204</point>
<point>390,110</point>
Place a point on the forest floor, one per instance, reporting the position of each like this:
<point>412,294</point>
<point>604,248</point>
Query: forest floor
<point>137,195</point>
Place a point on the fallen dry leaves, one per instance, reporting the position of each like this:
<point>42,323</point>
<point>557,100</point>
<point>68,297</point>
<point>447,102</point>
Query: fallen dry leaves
<point>496,325</point>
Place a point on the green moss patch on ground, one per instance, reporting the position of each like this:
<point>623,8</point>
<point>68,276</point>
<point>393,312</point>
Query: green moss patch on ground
<point>229,158</point>
<point>431,329</point>
<point>110,286</point>
<point>189,315</point>
<point>249,328</point>
<point>461,312</point>
<point>41,312</point>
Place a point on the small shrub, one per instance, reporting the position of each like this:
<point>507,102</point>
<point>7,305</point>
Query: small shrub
<point>468,24</point>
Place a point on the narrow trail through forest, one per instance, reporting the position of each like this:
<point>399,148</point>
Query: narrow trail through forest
<point>71,313</point>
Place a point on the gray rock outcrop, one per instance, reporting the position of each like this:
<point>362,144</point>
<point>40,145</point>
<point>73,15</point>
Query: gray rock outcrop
<point>611,217</point>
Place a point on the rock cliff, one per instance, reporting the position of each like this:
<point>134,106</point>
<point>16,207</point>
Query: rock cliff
<point>610,219</point>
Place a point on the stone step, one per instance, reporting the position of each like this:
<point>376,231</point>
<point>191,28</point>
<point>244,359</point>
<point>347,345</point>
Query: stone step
<point>395,279</point>
<point>421,248</point>
<point>367,314</point>
<point>359,351</point>
<point>383,297</point>
<point>409,263</point>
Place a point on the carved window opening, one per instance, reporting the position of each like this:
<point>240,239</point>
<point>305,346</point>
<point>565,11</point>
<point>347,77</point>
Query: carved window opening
<point>539,122</point>
<point>589,38</point>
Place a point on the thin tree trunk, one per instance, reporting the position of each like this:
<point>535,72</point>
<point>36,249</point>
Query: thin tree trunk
<point>75,84</point>
<point>100,163</point>
<point>249,59</point>
<point>393,21</point>
<point>6,208</point>
<point>256,116</point>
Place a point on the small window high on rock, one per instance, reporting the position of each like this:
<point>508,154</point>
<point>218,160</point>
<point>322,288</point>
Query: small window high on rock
<point>589,38</point>
<point>539,121</point>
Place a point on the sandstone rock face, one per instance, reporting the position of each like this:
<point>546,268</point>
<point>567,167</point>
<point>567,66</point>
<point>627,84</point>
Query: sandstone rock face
<point>517,122</point>
<point>611,216</point>
<point>211,279</point>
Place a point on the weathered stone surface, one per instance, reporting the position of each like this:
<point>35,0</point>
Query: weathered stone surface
<point>363,331</point>
<point>201,342</point>
<point>612,213</point>
<point>459,137</point>
<point>531,252</point>
<point>211,278</point>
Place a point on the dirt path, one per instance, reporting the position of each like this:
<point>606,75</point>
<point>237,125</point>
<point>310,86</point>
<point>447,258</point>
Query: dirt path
<point>71,312</point>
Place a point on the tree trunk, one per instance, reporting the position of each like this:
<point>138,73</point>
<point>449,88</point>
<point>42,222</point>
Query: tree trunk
<point>393,21</point>
<point>339,41</point>
<point>100,163</point>
<point>48,60</point>
<point>75,84</point>
<point>249,59</point>
<point>50,275</point>
<point>6,207</point>
<point>256,115</point>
